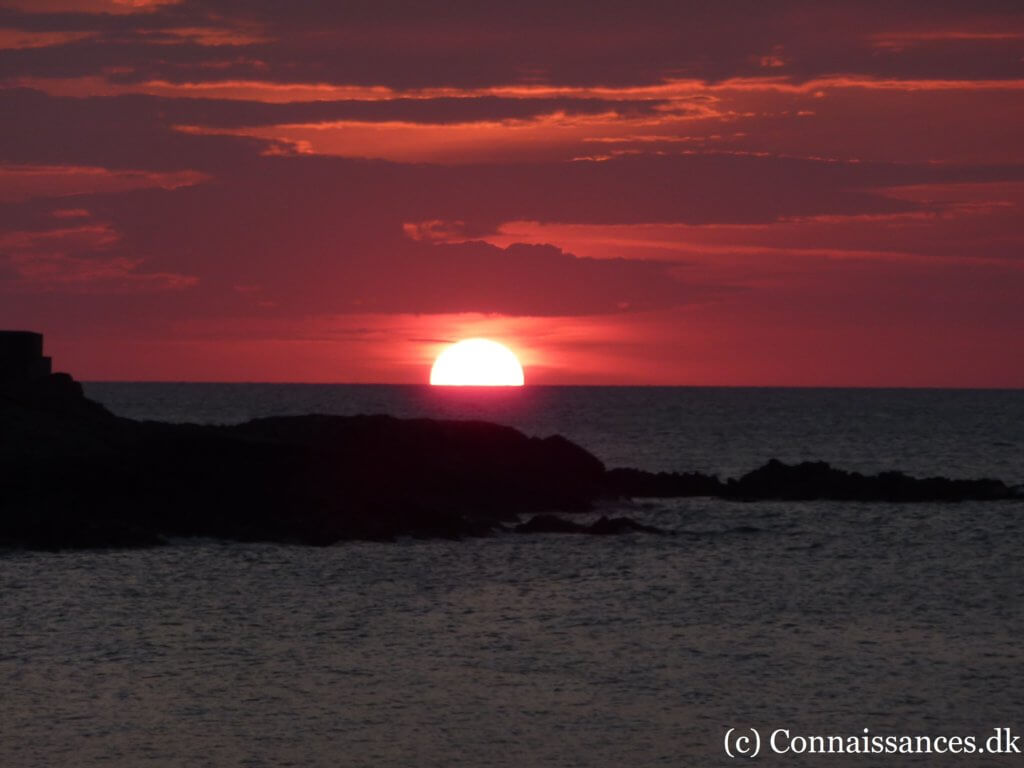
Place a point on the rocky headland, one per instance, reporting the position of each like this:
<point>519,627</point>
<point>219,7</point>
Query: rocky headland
<point>74,475</point>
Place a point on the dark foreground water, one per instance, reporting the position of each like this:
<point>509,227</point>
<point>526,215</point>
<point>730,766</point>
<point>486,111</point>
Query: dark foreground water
<point>819,618</point>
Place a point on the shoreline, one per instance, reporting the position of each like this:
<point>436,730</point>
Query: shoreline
<point>75,475</point>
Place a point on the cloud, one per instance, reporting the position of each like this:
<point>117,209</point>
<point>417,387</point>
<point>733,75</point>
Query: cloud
<point>481,44</point>
<point>61,273</point>
<point>76,260</point>
<point>41,130</point>
<point>333,235</point>
<point>23,182</point>
<point>13,39</point>
<point>86,6</point>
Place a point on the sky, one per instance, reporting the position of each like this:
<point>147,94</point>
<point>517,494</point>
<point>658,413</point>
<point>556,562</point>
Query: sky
<point>649,192</point>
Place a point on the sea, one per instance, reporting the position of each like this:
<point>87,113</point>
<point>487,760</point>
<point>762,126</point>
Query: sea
<point>793,633</point>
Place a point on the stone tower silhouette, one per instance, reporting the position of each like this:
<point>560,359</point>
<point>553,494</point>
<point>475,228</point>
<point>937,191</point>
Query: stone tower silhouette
<point>21,358</point>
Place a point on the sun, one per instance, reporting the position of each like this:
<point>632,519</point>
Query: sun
<point>477,363</point>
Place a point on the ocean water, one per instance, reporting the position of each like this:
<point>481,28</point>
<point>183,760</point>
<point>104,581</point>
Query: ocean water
<point>818,618</point>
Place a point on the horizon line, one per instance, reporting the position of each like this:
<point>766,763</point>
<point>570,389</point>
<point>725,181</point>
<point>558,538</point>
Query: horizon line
<point>427,385</point>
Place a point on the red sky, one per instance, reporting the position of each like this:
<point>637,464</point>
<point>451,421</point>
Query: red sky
<point>734,193</point>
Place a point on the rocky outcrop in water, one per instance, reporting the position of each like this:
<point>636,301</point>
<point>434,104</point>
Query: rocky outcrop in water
<point>78,476</point>
<point>74,475</point>
<point>818,480</point>
<point>807,481</point>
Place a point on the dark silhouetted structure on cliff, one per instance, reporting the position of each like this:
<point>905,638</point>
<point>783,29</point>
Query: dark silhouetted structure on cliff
<point>21,358</point>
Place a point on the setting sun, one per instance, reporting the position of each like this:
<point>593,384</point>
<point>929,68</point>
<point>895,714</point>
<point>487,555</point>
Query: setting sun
<point>477,363</point>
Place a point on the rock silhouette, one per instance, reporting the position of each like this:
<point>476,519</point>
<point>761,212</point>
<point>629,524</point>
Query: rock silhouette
<point>818,480</point>
<point>74,475</point>
<point>807,481</point>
